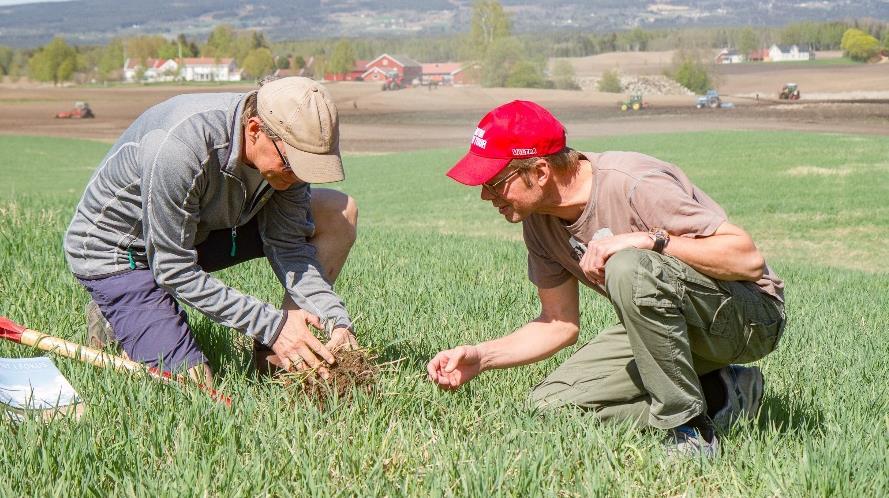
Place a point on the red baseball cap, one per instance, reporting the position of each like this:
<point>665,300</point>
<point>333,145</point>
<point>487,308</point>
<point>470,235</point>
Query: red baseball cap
<point>517,130</point>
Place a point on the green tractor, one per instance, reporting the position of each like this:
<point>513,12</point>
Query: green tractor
<point>635,103</point>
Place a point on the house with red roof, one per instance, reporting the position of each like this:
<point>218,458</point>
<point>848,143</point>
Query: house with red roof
<point>152,70</point>
<point>186,68</point>
<point>401,66</point>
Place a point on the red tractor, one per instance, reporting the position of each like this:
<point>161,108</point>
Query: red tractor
<point>394,81</point>
<point>789,92</point>
<point>81,111</point>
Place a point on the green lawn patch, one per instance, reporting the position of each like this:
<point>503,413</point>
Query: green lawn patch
<point>435,267</point>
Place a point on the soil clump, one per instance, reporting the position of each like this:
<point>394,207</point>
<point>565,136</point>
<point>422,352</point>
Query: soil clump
<point>354,371</point>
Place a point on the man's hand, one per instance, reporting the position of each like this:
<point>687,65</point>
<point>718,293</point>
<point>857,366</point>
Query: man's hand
<point>297,347</point>
<point>598,251</point>
<point>452,368</point>
<point>341,338</point>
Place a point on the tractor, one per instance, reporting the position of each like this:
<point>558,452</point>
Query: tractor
<point>635,103</point>
<point>789,92</point>
<point>394,81</point>
<point>81,111</point>
<point>710,100</point>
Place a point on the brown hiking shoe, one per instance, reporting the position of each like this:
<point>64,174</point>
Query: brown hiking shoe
<point>98,331</point>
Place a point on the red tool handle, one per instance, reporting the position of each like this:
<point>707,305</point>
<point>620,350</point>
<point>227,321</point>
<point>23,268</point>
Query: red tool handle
<point>23,335</point>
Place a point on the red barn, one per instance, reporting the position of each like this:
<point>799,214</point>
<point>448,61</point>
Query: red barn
<point>406,68</point>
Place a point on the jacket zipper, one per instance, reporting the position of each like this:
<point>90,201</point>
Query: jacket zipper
<point>234,249</point>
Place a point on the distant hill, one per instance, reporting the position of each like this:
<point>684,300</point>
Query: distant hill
<point>96,21</point>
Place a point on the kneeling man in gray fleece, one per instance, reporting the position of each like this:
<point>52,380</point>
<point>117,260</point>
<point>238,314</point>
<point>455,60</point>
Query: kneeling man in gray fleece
<point>202,182</point>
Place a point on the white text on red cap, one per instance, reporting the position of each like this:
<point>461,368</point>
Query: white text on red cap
<point>478,140</point>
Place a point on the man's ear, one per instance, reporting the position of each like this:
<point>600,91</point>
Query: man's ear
<point>253,126</point>
<point>542,172</point>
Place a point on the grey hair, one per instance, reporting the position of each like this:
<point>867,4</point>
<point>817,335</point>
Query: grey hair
<point>251,111</point>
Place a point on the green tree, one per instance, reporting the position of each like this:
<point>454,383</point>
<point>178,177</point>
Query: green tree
<point>689,71</point>
<point>524,74</point>
<point>319,68</point>
<point>563,75</point>
<point>6,55</point>
<point>245,43</point>
<point>168,51</point>
<point>55,62</point>
<point>489,23</point>
<point>19,65</point>
<point>859,46</point>
<point>342,60</point>
<point>499,59</point>
<point>635,40</point>
<point>111,59</point>
<point>282,62</point>
<point>142,48</point>
<point>189,48</point>
<point>259,62</point>
<point>747,42</point>
<point>220,43</point>
<point>610,82</point>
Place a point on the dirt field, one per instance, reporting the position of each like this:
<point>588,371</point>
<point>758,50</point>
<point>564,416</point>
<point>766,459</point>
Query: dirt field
<point>374,121</point>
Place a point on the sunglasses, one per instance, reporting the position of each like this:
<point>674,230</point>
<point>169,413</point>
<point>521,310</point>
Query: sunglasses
<point>493,186</point>
<point>284,160</point>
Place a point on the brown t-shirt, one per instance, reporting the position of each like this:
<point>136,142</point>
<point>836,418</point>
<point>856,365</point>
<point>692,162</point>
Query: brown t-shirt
<point>631,192</point>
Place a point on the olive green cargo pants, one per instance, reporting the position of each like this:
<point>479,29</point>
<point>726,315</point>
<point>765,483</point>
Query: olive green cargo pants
<point>676,324</point>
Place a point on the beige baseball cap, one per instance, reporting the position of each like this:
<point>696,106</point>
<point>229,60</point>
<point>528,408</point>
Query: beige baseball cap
<point>302,113</point>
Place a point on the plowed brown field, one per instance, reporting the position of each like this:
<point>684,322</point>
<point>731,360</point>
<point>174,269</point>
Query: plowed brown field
<point>837,98</point>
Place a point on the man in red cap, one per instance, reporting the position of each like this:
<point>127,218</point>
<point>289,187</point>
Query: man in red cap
<point>691,290</point>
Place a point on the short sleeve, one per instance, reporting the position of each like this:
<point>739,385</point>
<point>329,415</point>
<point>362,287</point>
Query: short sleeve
<point>543,271</point>
<point>661,201</point>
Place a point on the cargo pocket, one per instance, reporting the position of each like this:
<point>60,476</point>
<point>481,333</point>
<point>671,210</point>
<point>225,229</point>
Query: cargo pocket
<point>764,326</point>
<point>723,340</point>
<point>655,285</point>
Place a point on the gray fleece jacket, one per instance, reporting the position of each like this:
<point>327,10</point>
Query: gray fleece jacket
<point>172,178</point>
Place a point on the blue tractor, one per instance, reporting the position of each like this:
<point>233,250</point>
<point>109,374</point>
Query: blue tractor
<point>710,100</point>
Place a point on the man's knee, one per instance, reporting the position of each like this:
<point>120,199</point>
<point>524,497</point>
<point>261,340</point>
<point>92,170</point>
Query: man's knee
<point>621,268</point>
<point>350,213</point>
<point>335,214</point>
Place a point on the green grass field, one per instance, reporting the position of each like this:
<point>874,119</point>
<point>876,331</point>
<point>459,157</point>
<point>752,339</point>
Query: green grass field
<point>435,267</point>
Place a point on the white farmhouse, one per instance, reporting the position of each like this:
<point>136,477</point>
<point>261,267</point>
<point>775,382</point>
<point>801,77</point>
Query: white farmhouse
<point>780,53</point>
<point>152,71</point>
<point>209,69</point>
<point>729,56</point>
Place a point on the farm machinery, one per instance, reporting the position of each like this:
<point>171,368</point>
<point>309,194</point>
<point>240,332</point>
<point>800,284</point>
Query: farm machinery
<point>634,103</point>
<point>790,91</point>
<point>394,81</point>
<point>712,100</point>
<point>81,110</point>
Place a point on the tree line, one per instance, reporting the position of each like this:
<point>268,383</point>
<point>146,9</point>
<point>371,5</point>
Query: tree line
<point>502,57</point>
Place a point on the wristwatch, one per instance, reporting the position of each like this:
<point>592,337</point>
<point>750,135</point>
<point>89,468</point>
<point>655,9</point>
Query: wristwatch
<point>661,238</point>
